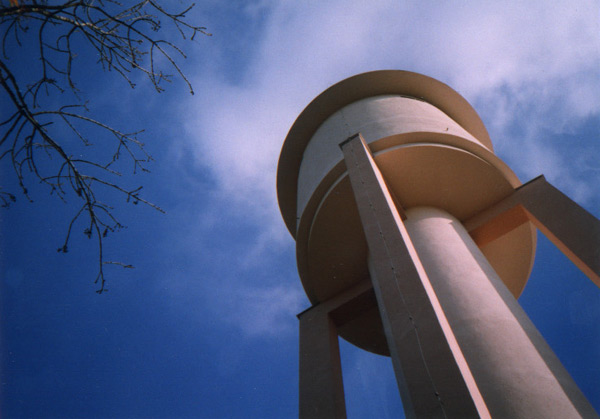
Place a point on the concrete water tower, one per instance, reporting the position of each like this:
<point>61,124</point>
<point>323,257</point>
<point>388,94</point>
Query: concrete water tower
<point>414,240</point>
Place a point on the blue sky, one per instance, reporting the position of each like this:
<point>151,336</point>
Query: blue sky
<point>205,325</point>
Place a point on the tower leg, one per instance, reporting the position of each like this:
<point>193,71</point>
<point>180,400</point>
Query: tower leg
<point>433,377</point>
<point>570,227</point>
<point>321,385</point>
<point>452,326</point>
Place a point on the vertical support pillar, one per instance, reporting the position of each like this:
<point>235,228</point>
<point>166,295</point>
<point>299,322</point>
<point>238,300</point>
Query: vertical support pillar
<point>321,385</point>
<point>432,374</point>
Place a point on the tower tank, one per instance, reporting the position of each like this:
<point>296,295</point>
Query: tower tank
<point>433,151</point>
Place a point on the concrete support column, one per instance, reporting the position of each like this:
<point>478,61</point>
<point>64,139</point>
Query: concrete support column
<point>432,375</point>
<point>321,385</point>
<point>516,372</point>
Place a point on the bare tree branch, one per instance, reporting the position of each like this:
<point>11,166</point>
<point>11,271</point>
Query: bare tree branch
<point>126,40</point>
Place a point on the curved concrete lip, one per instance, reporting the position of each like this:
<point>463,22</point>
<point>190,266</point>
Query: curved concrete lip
<point>383,82</point>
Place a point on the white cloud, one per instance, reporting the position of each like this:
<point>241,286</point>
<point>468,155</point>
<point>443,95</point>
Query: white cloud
<point>517,59</point>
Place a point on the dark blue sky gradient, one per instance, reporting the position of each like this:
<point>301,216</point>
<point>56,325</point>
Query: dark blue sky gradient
<point>205,326</point>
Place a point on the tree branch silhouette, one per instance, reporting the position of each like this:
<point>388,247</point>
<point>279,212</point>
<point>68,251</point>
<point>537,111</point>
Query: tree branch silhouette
<point>38,136</point>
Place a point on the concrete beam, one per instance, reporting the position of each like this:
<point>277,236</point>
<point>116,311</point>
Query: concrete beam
<point>432,374</point>
<point>570,227</point>
<point>321,385</point>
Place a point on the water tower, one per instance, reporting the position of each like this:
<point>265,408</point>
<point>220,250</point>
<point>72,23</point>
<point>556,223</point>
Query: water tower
<point>414,240</point>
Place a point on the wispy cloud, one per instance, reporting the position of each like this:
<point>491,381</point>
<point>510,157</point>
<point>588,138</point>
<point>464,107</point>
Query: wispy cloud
<point>517,60</point>
<point>267,311</point>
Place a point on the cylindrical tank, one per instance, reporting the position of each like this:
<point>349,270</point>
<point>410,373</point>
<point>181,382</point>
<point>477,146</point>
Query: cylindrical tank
<point>432,149</point>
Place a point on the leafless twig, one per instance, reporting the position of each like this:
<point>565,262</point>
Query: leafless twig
<point>125,39</point>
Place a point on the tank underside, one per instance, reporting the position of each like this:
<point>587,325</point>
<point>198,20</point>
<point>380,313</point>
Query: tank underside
<point>332,251</point>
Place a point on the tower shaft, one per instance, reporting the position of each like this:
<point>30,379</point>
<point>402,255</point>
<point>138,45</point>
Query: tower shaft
<point>517,374</point>
<point>460,343</point>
